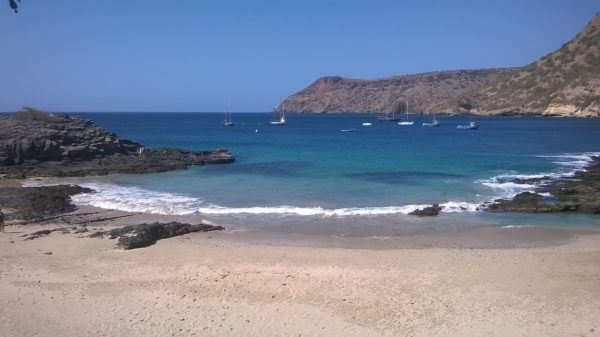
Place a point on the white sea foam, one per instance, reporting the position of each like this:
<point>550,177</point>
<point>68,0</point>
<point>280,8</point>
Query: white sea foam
<point>507,189</point>
<point>515,226</point>
<point>577,160</point>
<point>134,199</point>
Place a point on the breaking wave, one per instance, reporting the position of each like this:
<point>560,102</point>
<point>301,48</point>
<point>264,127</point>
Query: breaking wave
<point>134,199</point>
<point>509,185</point>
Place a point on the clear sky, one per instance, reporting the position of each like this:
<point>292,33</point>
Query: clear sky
<point>194,55</point>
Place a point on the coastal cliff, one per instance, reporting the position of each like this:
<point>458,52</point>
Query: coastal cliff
<point>35,143</point>
<point>427,92</point>
<point>563,83</point>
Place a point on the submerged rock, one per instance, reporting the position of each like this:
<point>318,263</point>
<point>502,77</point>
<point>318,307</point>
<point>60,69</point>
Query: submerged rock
<point>144,235</point>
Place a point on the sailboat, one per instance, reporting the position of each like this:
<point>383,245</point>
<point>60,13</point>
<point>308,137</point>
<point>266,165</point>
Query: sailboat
<point>387,117</point>
<point>228,121</point>
<point>281,120</point>
<point>435,122</point>
<point>406,121</point>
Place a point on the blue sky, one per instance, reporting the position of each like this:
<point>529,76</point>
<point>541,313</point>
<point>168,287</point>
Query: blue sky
<point>188,56</point>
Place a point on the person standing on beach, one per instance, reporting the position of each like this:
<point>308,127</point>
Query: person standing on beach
<point>1,221</point>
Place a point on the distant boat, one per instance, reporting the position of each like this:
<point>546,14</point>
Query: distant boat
<point>367,124</point>
<point>435,122</point>
<point>406,122</point>
<point>470,126</point>
<point>348,130</point>
<point>281,120</point>
<point>228,121</point>
<point>387,117</point>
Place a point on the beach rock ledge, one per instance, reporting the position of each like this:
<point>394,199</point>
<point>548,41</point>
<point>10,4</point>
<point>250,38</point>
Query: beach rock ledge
<point>38,144</point>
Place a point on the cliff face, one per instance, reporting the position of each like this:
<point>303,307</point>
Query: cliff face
<point>427,92</point>
<point>564,83</point>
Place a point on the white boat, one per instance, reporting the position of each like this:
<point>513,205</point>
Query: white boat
<point>347,130</point>
<point>435,122</point>
<point>367,124</point>
<point>406,121</point>
<point>470,126</point>
<point>227,121</point>
<point>281,120</point>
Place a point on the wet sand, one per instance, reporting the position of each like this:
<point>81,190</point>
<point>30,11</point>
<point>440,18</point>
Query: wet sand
<point>487,282</point>
<point>10,183</point>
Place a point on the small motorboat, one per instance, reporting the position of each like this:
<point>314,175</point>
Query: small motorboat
<point>470,126</point>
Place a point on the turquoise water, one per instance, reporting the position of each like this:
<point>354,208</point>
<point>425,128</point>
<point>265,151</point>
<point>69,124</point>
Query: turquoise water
<point>308,176</point>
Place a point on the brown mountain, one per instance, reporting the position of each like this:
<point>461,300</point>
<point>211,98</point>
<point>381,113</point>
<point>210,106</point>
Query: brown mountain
<point>566,82</point>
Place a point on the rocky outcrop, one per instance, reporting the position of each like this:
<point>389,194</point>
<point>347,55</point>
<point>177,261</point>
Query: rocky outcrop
<point>580,193</point>
<point>427,211</point>
<point>563,83</point>
<point>36,136</point>
<point>29,203</point>
<point>144,235</point>
<point>34,143</point>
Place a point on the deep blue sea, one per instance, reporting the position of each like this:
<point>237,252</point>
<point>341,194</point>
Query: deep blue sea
<point>309,177</point>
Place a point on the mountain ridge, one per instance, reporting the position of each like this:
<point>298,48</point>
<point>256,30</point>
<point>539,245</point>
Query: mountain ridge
<point>565,82</point>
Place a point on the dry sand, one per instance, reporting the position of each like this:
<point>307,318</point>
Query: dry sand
<point>214,284</point>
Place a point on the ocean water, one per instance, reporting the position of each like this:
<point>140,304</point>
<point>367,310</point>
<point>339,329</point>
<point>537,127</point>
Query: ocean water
<point>309,177</point>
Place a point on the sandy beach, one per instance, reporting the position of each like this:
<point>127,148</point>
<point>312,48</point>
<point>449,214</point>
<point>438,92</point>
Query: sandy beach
<point>235,284</point>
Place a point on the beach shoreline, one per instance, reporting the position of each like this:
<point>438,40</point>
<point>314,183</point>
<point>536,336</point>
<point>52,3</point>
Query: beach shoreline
<point>228,284</point>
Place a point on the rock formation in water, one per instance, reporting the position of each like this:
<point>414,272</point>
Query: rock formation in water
<point>34,143</point>
<point>580,193</point>
<point>563,83</point>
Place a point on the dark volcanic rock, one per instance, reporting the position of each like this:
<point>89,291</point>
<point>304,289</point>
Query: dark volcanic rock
<point>580,193</point>
<point>36,136</point>
<point>34,143</point>
<point>38,202</point>
<point>522,202</point>
<point>144,235</point>
<point>427,211</point>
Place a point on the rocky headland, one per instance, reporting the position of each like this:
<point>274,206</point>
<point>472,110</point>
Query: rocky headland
<point>563,83</point>
<point>38,144</point>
